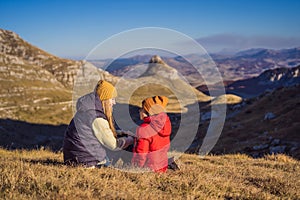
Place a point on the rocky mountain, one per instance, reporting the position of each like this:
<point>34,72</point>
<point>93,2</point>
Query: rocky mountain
<point>122,66</point>
<point>267,81</point>
<point>14,50</point>
<point>32,88</point>
<point>158,67</point>
<point>158,78</point>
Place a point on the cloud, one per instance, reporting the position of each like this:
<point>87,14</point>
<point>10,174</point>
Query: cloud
<point>238,42</point>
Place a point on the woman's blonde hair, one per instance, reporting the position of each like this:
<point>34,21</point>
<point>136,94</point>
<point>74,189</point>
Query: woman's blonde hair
<point>108,113</point>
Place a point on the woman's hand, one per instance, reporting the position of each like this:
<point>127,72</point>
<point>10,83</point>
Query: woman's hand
<point>125,141</point>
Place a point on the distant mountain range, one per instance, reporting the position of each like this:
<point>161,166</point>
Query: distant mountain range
<point>253,62</point>
<point>242,65</point>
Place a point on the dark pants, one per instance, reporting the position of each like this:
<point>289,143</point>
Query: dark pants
<point>125,155</point>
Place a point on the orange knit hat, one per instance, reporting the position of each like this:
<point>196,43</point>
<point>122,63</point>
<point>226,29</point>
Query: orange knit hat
<point>155,105</point>
<point>105,90</point>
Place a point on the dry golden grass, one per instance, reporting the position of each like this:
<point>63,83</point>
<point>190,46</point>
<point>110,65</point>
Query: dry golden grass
<point>227,99</point>
<point>40,174</point>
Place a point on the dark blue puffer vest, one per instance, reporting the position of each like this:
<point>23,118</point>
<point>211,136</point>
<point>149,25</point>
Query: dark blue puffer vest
<point>80,144</point>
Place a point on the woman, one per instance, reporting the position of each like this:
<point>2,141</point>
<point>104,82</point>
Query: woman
<point>92,129</point>
<point>153,135</point>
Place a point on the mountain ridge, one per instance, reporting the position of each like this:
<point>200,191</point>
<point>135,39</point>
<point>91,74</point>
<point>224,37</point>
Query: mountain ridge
<point>267,81</point>
<point>35,85</point>
<point>15,50</point>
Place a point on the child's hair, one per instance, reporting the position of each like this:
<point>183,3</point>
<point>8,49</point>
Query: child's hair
<point>143,105</point>
<point>155,105</point>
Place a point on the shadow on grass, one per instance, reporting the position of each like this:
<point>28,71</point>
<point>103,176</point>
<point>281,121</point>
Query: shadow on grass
<point>23,135</point>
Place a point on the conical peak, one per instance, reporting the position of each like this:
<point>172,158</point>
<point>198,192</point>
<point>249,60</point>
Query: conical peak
<point>157,59</point>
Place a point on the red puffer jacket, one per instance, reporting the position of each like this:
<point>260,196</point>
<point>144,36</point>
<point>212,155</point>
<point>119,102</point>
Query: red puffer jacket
<point>152,143</point>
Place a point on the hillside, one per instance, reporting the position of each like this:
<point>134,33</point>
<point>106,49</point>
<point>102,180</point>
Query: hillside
<point>32,88</point>
<point>15,50</point>
<point>40,174</point>
<point>264,125</point>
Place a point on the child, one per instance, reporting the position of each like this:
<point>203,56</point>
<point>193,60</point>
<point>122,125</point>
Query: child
<point>153,135</point>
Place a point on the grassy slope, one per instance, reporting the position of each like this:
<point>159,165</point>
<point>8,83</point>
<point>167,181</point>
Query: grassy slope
<point>35,85</point>
<point>249,126</point>
<point>39,101</point>
<point>40,174</point>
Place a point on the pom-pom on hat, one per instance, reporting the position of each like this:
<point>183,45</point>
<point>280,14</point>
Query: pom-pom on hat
<point>155,105</point>
<point>105,90</point>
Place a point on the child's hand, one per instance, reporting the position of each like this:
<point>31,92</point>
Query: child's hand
<point>125,133</point>
<point>129,133</point>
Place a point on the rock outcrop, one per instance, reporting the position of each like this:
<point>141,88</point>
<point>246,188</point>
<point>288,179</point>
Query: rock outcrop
<point>15,51</point>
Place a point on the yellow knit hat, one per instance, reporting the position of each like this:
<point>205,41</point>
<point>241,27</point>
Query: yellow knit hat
<point>105,90</point>
<point>155,105</point>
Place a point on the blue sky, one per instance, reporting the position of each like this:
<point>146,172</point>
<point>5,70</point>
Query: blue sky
<point>73,28</point>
